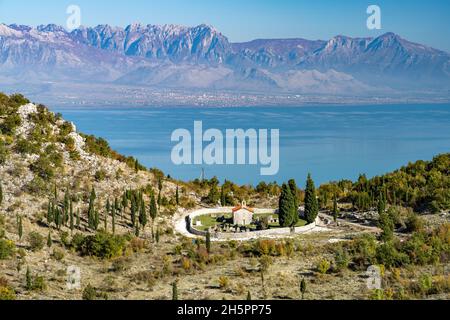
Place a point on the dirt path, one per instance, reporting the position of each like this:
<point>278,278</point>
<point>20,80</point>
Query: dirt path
<point>352,224</point>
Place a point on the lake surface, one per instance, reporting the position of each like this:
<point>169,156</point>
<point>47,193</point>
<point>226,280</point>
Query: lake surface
<point>331,142</point>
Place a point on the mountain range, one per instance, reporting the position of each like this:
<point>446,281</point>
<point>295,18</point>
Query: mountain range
<point>202,58</point>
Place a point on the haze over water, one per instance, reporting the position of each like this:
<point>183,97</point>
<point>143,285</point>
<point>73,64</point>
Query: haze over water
<point>331,142</point>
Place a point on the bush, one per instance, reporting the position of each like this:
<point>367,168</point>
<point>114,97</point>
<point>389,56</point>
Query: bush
<point>7,248</point>
<point>414,223</point>
<point>7,293</point>
<point>418,250</point>
<point>186,264</point>
<point>323,266</point>
<point>389,256</point>
<point>43,168</point>
<point>58,254</point>
<point>102,245</point>
<point>4,152</point>
<point>24,146</point>
<point>36,241</point>
<point>138,245</point>
<point>265,247</point>
<point>120,264</point>
<point>100,175</point>
<point>91,293</point>
<point>39,284</point>
<point>341,259</point>
<point>224,282</point>
<point>363,250</point>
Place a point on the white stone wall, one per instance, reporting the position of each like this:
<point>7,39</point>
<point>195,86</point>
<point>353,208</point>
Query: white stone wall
<point>278,232</point>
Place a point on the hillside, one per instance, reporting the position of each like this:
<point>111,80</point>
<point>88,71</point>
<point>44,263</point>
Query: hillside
<point>68,200</point>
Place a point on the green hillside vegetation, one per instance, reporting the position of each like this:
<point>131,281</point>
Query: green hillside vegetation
<point>422,186</point>
<point>114,218</point>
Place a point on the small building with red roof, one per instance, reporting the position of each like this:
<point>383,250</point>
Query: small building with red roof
<point>243,215</point>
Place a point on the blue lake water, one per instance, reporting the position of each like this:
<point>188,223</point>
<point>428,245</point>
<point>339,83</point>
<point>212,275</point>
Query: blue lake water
<point>331,142</point>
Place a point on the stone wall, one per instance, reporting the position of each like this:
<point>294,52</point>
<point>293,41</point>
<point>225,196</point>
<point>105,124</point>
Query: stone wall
<point>279,232</point>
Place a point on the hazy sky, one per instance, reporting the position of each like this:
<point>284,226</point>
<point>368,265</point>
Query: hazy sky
<point>421,21</point>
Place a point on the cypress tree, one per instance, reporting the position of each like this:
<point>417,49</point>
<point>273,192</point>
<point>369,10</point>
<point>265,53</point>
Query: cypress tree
<point>28,279</point>
<point>153,208</point>
<point>105,222</point>
<point>124,202</point>
<point>143,214</point>
<point>335,208</point>
<point>158,234</point>
<point>91,210</point>
<point>116,206</point>
<point>96,219</point>
<point>160,187</point>
<point>223,199</point>
<point>50,214</point>
<point>177,196</point>
<point>303,288</point>
<point>60,218</point>
<point>57,217</point>
<point>294,192</point>
<point>249,296</point>
<point>78,218</point>
<point>159,199</point>
<point>72,222</point>
<point>136,230</point>
<point>49,240</point>
<point>175,291</point>
<point>1,193</point>
<point>66,208</point>
<point>381,206</point>
<point>311,204</point>
<point>19,227</point>
<point>133,213</point>
<point>286,207</point>
<point>113,214</point>
<point>208,242</point>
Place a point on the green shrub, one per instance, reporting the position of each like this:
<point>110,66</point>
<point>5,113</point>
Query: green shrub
<point>25,146</point>
<point>37,186</point>
<point>341,259</point>
<point>64,237</point>
<point>7,293</point>
<point>102,245</point>
<point>224,282</point>
<point>39,284</point>
<point>7,249</point>
<point>58,254</point>
<point>36,241</point>
<point>120,264</point>
<point>91,293</point>
<point>414,223</point>
<point>323,266</point>
<point>4,152</point>
<point>9,125</point>
<point>389,256</point>
<point>363,250</point>
<point>100,175</point>
<point>43,168</point>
